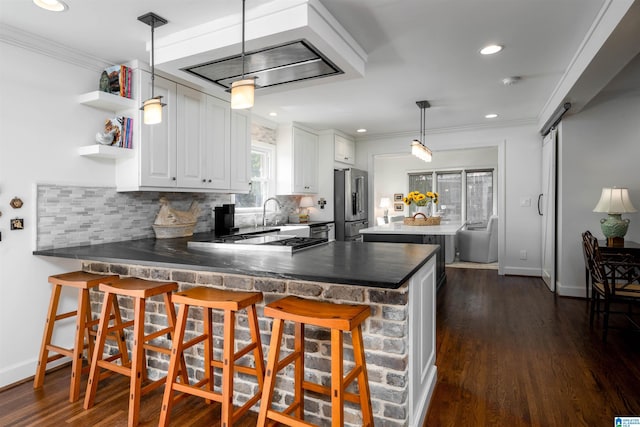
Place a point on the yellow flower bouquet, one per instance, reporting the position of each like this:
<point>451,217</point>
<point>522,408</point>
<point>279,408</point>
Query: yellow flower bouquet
<point>420,199</point>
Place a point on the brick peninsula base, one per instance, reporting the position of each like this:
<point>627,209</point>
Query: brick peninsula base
<point>399,338</point>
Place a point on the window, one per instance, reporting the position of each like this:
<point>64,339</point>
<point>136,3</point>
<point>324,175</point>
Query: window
<point>262,176</point>
<point>449,188</point>
<point>479,197</point>
<point>473,202</point>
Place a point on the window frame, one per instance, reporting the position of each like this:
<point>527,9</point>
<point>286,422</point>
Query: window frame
<point>270,150</point>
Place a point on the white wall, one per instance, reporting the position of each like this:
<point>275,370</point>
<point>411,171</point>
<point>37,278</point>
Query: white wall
<point>42,126</point>
<point>599,147</point>
<point>519,164</point>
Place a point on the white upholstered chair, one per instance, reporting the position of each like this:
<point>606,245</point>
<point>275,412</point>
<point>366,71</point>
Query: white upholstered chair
<point>479,245</point>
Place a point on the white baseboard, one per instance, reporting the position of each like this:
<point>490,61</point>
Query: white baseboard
<point>570,291</point>
<point>523,271</point>
<point>20,371</point>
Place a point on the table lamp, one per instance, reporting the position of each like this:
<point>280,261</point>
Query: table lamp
<point>614,201</point>
<point>306,202</point>
<point>384,204</point>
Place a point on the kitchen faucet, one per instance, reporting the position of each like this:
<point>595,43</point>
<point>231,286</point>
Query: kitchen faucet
<point>264,209</point>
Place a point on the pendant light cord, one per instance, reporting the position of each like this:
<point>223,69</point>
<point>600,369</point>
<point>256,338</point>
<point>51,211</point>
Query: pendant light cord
<point>243,2</point>
<point>422,120</point>
<point>153,73</point>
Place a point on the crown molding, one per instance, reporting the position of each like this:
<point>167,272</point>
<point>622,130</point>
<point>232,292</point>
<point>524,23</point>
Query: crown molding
<point>451,129</point>
<point>44,46</point>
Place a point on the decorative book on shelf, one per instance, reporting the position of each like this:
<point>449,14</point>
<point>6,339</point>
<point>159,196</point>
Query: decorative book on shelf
<point>116,80</point>
<point>119,130</point>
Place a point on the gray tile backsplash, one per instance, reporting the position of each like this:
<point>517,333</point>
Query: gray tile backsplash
<point>74,216</point>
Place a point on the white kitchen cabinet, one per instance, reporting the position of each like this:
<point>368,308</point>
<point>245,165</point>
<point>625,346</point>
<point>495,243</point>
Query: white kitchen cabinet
<point>344,149</point>
<point>202,140</point>
<point>191,127</point>
<point>190,150</point>
<point>297,160</point>
<point>157,143</point>
<point>240,151</point>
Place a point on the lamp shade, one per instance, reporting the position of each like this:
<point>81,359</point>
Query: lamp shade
<point>420,151</point>
<point>615,201</point>
<point>152,111</point>
<point>242,93</point>
<point>385,203</point>
<point>306,202</point>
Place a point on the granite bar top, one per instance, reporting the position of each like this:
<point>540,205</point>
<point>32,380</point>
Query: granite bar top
<point>399,228</point>
<point>381,265</point>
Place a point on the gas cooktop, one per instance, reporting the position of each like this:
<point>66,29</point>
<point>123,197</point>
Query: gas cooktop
<point>268,242</point>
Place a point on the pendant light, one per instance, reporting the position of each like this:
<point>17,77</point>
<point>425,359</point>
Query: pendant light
<point>242,91</point>
<point>152,107</point>
<point>418,148</point>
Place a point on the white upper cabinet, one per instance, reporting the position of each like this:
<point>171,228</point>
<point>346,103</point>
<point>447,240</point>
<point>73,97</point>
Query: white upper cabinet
<point>240,151</point>
<point>190,150</point>
<point>297,160</point>
<point>158,142</point>
<point>344,149</point>
<point>191,125</point>
<point>218,167</point>
<point>203,140</point>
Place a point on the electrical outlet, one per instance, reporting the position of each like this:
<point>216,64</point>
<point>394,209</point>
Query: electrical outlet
<point>523,254</point>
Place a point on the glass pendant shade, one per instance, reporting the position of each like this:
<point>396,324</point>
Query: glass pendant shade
<point>420,151</point>
<point>152,111</point>
<point>418,148</point>
<point>242,92</point>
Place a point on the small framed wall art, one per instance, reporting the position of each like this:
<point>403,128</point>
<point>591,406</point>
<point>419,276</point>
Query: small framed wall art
<point>398,207</point>
<point>397,197</point>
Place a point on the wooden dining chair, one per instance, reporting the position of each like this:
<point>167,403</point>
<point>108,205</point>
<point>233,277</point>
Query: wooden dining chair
<point>614,280</point>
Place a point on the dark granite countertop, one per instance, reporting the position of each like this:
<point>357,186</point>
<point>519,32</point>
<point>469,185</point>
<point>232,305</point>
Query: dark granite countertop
<point>382,265</point>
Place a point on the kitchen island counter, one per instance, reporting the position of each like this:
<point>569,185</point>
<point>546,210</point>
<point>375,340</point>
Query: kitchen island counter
<point>381,265</point>
<point>396,280</point>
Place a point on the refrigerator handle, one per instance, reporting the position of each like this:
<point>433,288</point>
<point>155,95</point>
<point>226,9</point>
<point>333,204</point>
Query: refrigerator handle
<point>354,203</point>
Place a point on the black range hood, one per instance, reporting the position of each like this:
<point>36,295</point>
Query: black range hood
<point>274,65</point>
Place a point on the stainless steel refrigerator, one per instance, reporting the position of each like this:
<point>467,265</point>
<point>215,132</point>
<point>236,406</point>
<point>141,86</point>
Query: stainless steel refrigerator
<point>350,200</point>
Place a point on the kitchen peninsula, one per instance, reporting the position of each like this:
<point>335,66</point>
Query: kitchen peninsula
<point>397,232</point>
<point>396,280</point>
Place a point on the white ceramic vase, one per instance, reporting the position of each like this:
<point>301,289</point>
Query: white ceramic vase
<point>426,210</point>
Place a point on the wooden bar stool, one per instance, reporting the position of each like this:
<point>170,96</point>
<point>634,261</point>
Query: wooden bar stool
<point>139,290</point>
<point>230,302</point>
<point>337,317</point>
<point>82,281</point>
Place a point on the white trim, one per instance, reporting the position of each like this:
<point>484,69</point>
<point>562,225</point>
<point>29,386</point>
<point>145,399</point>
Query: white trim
<point>522,271</point>
<point>45,46</point>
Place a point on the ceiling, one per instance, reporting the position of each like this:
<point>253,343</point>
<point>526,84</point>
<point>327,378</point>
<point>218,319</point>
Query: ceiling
<point>416,50</point>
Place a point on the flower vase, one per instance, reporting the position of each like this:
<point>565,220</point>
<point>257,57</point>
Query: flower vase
<point>426,210</point>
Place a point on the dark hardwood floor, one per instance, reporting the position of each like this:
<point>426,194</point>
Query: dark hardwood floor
<point>509,353</point>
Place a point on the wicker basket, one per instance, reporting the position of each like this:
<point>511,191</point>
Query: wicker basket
<point>414,220</point>
<point>174,230</point>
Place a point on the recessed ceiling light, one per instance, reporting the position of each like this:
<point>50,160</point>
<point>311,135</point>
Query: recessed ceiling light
<point>510,81</point>
<point>491,49</point>
<point>361,130</point>
<point>491,116</point>
<point>51,5</point>
<point>273,114</point>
